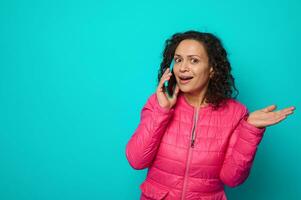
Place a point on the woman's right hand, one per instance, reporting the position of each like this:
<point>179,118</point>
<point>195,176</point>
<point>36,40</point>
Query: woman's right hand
<point>163,99</point>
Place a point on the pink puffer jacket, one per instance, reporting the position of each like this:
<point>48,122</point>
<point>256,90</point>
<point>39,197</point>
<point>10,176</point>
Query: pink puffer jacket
<point>191,153</point>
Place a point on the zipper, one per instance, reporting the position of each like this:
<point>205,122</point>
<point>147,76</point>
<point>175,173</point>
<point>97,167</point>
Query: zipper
<point>191,145</point>
<point>193,130</point>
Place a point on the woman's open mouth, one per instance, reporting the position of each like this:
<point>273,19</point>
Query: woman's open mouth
<point>185,79</point>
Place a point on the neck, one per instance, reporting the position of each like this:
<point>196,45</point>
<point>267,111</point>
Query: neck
<point>196,99</point>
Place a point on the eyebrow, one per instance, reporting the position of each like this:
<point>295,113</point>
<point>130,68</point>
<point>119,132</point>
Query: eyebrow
<point>188,55</point>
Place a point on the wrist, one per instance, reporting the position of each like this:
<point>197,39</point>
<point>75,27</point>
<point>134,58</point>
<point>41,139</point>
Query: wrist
<point>249,121</point>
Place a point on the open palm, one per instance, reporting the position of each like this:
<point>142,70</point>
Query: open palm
<point>267,116</point>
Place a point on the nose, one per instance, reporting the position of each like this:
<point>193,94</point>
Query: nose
<point>183,66</point>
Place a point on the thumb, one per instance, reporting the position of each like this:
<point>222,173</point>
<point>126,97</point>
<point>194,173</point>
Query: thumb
<point>176,92</point>
<point>269,108</point>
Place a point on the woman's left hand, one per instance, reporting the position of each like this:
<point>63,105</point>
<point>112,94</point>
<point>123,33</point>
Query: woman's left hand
<point>266,117</point>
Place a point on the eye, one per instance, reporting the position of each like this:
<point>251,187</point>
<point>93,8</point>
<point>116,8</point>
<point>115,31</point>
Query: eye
<point>194,61</point>
<point>177,60</point>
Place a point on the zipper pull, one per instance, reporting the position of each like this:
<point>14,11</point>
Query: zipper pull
<point>192,143</point>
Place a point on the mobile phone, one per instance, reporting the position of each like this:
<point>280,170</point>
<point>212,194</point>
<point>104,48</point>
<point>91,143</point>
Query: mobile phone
<point>168,86</point>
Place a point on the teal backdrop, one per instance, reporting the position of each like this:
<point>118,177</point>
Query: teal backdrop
<point>74,76</point>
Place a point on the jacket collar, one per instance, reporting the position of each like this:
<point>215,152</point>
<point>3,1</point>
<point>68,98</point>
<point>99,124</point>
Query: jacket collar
<point>184,103</point>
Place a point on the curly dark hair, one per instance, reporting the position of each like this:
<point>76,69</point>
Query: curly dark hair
<point>221,84</point>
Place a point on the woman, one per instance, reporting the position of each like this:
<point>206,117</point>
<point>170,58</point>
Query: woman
<point>200,138</point>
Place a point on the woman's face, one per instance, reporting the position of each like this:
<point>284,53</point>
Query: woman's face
<point>191,66</point>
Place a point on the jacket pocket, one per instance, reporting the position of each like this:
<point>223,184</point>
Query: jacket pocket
<point>152,190</point>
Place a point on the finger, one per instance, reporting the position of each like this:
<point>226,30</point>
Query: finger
<point>160,87</point>
<point>175,93</point>
<point>269,108</point>
<point>285,111</point>
<point>165,77</point>
<point>276,120</point>
<point>288,109</point>
<point>283,116</point>
<point>177,90</point>
<point>280,119</point>
<point>166,72</point>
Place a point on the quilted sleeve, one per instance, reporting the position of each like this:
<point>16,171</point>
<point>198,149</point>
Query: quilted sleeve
<point>143,145</point>
<point>241,151</point>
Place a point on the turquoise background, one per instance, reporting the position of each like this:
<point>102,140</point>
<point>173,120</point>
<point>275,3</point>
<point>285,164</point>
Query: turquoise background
<point>74,76</point>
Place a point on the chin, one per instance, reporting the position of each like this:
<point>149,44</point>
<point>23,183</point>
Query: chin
<point>184,89</point>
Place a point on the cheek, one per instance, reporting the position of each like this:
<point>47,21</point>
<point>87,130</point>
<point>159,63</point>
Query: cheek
<point>202,77</point>
<point>201,73</point>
